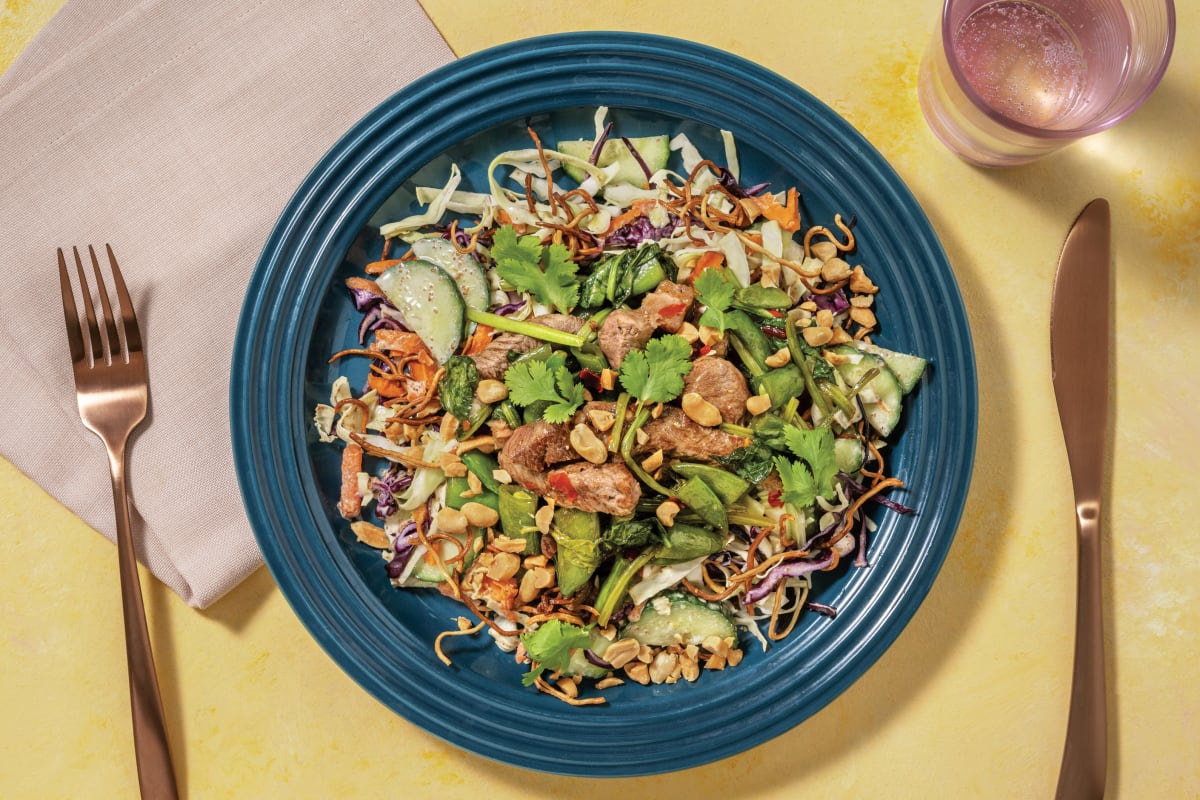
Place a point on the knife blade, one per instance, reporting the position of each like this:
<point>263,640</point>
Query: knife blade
<point>1079,359</point>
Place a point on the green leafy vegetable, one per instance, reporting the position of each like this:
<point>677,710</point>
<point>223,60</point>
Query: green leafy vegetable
<point>813,475</point>
<point>815,446</point>
<point>655,375</point>
<point>546,381</point>
<point>456,390</point>
<point>799,485</point>
<point>753,462</point>
<point>715,288</point>
<point>550,647</point>
<point>546,272</point>
<point>630,533</point>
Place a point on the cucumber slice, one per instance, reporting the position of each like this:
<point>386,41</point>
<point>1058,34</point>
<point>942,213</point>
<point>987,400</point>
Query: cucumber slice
<point>881,397</point>
<point>430,302</point>
<point>907,368</point>
<point>467,273</point>
<point>849,454</point>
<point>427,570</point>
<point>679,618</point>
<point>579,664</point>
<point>654,150</point>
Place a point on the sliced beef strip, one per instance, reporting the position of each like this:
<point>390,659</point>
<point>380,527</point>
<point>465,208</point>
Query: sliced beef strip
<point>667,305</point>
<point>622,331</point>
<point>537,452</point>
<point>492,361</point>
<point>533,448</point>
<point>673,431</point>
<point>721,383</point>
<point>609,488</point>
<point>680,437</point>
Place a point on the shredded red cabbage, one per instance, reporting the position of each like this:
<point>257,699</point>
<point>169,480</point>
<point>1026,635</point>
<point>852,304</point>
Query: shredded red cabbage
<point>637,157</point>
<point>599,145</point>
<point>834,301</point>
<point>510,308</point>
<point>726,179</point>
<point>786,569</point>
<point>641,230</point>
<point>854,489</point>
<point>402,550</point>
<point>821,608</point>
<point>386,487</point>
<point>592,658</point>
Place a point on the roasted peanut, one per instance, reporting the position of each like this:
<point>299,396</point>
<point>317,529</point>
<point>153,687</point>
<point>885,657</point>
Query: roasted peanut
<point>585,442</point>
<point>479,515</point>
<point>653,461</point>
<point>778,358</point>
<point>667,511</point>
<point>817,335</point>
<point>700,410</point>
<point>450,520</point>
<point>823,250</point>
<point>835,269</point>
<point>491,390</point>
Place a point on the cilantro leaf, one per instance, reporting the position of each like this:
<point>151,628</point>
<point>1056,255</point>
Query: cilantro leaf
<point>655,375</point>
<point>547,381</point>
<point>715,288</point>
<point>546,272</point>
<point>799,486</point>
<point>816,448</point>
<point>550,647</point>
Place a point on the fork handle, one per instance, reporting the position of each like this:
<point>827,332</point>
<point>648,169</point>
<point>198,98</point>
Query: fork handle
<point>156,772</point>
<point>1085,755</point>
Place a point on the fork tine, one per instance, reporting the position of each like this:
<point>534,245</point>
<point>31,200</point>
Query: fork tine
<point>133,335</point>
<point>70,311</point>
<point>110,323</point>
<point>93,330</point>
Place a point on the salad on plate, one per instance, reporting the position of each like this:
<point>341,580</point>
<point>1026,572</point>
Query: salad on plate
<point>621,405</point>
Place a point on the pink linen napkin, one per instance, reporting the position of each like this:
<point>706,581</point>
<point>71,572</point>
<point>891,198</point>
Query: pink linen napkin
<point>176,130</point>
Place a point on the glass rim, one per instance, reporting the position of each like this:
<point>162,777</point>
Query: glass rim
<point>1052,133</point>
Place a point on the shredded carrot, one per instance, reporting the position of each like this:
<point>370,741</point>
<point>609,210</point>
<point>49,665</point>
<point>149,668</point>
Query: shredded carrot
<point>710,259</point>
<point>350,504</point>
<point>640,208</point>
<point>787,214</point>
<point>376,267</point>
<point>479,339</point>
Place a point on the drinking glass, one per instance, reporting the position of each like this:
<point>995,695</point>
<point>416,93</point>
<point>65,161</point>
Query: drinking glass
<point>1005,82</point>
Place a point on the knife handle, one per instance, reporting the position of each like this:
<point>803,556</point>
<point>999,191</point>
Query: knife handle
<point>1085,756</point>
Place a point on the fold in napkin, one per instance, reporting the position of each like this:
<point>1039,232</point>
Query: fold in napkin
<point>176,130</point>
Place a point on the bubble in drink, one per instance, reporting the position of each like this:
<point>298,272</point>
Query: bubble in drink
<point>1022,60</point>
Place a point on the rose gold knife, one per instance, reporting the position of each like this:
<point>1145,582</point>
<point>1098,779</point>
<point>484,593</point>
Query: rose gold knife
<point>1079,341</point>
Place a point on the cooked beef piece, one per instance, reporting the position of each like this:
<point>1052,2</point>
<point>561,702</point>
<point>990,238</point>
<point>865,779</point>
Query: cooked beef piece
<point>680,437</point>
<point>539,456</point>
<point>609,488</point>
<point>622,331</point>
<point>492,361</point>
<point>667,305</point>
<point>673,431</point>
<point>568,323</point>
<point>721,383</point>
<point>534,448</point>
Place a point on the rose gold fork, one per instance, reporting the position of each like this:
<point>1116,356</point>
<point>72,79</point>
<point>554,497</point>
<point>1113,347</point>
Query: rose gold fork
<point>112,386</point>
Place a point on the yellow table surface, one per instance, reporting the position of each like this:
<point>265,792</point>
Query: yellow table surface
<point>970,701</point>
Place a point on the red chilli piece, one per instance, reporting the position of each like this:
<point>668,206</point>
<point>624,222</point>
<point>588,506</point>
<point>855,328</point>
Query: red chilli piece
<point>559,481</point>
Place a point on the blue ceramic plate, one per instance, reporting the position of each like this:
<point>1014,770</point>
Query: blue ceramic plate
<point>297,313</point>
